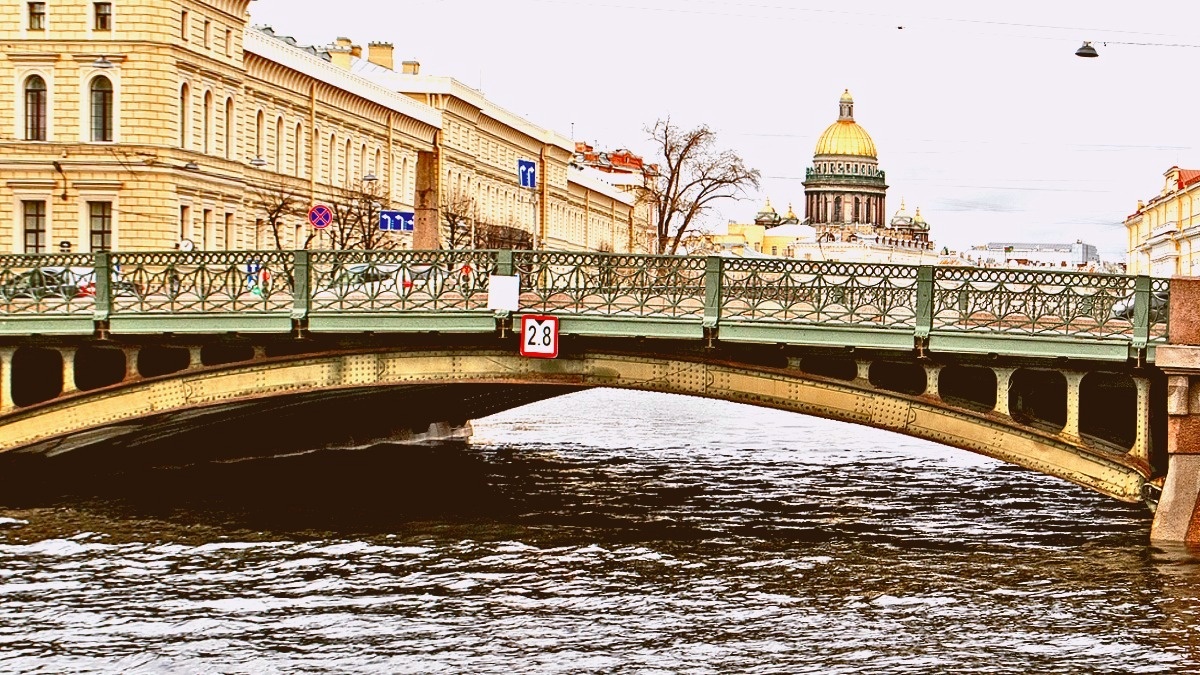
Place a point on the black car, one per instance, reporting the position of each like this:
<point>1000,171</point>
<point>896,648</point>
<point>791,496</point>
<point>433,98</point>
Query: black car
<point>1123,308</point>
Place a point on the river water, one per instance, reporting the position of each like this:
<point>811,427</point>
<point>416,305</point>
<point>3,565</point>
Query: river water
<point>602,532</point>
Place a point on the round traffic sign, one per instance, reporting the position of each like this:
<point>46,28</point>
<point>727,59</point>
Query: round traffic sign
<point>320,216</point>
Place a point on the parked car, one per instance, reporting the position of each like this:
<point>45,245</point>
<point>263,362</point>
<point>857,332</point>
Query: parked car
<point>46,282</point>
<point>1123,308</point>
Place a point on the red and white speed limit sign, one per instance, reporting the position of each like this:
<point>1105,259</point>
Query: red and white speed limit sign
<point>539,336</point>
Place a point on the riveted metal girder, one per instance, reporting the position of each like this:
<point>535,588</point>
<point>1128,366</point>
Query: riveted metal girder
<point>783,389</point>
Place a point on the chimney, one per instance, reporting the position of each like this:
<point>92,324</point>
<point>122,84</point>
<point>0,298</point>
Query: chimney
<point>380,53</point>
<point>412,67</point>
<point>340,56</point>
<point>356,51</point>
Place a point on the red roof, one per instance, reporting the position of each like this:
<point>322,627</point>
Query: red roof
<point>1188,177</point>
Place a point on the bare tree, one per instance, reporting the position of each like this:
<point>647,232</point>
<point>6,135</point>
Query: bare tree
<point>355,222</point>
<point>458,218</point>
<point>692,174</point>
<point>278,204</point>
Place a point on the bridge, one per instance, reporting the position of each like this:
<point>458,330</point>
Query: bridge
<point>1079,376</point>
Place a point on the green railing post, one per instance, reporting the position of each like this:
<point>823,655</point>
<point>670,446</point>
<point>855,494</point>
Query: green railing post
<point>301,285</point>
<point>1141,311</point>
<point>924,308</point>
<point>504,263</point>
<point>714,268</point>
<point>103,280</point>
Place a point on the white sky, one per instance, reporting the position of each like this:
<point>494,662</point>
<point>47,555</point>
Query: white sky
<point>981,113</point>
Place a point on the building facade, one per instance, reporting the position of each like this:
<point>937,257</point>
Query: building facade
<point>135,125</point>
<point>1164,232</point>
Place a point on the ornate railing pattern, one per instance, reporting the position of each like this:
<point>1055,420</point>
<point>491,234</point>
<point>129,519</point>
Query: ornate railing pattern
<point>610,283</point>
<point>819,292</point>
<point>772,292</point>
<point>1032,302</point>
<point>60,284</point>
<point>382,281</point>
<point>202,282</point>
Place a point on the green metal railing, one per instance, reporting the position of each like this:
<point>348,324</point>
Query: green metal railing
<point>759,300</point>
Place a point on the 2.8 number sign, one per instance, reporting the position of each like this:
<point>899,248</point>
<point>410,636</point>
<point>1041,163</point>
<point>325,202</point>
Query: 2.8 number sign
<point>539,336</point>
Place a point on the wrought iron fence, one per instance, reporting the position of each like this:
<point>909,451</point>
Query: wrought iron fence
<point>776,291</point>
<point>1033,302</point>
<point>202,282</point>
<point>379,281</point>
<point>801,291</point>
<point>611,283</point>
<point>55,284</point>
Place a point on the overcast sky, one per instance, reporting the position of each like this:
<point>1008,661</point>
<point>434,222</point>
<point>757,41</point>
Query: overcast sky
<point>981,113</point>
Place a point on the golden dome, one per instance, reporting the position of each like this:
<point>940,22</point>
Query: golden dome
<point>846,137</point>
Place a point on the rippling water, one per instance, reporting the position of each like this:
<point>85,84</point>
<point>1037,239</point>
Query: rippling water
<point>603,532</point>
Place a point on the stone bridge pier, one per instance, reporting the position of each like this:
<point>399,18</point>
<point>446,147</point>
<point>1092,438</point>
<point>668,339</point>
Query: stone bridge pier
<point>1177,518</point>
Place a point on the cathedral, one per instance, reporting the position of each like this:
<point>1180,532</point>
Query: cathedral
<point>845,194</point>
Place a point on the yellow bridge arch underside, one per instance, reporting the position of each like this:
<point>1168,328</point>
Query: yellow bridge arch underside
<point>918,416</point>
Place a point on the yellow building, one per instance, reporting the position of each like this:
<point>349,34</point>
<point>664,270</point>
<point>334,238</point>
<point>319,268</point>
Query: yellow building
<point>136,125</point>
<point>1164,233</point>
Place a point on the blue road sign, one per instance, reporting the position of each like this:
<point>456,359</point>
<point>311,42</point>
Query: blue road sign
<point>320,216</point>
<point>396,221</point>
<point>527,172</point>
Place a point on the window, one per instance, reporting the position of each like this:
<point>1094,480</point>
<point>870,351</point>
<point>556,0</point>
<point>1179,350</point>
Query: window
<point>185,221</point>
<point>100,224</point>
<point>228,42</point>
<point>229,234</point>
<point>102,15</point>
<point>258,135</point>
<point>332,159</point>
<point>37,16</point>
<point>347,177</point>
<point>207,34</point>
<point>35,226</point>
<point>185,103</point>
<point>207,236</point>
<point>183,25</point>
<point>229,137</point>
<point>102,109</point>
<point>208,110</point>
<point>35,109</point>
<point>279,143</point>
<point>298,160</point>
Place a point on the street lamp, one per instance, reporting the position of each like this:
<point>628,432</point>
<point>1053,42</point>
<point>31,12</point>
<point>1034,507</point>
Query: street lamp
<point>1087,51</point>
<point>258,162</point>
<point>103,63</point>
<point>370,178</point>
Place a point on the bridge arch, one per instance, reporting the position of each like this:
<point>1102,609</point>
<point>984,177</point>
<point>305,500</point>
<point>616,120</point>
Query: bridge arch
<point>884,397</point>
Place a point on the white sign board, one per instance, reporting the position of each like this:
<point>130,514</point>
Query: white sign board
<point>504,292</point>
<point>539,336</point>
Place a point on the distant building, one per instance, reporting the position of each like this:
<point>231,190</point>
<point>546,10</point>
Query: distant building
<point>1164,233</point>
<point>1076,256</point>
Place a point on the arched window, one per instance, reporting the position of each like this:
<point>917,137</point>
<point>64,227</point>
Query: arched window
<point>331,168</point>
<point>185,99</point>
<point>208,113</point>
<point>279,143</point>
<point>259,131</point>
<point>378,155</point>
<point>362,161</point>
<point>229,129</point>
<point>298,159</point>
<point>35,108</point>
<point>856,209</point>
<point>101,99</point>
<point>349,161</point>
